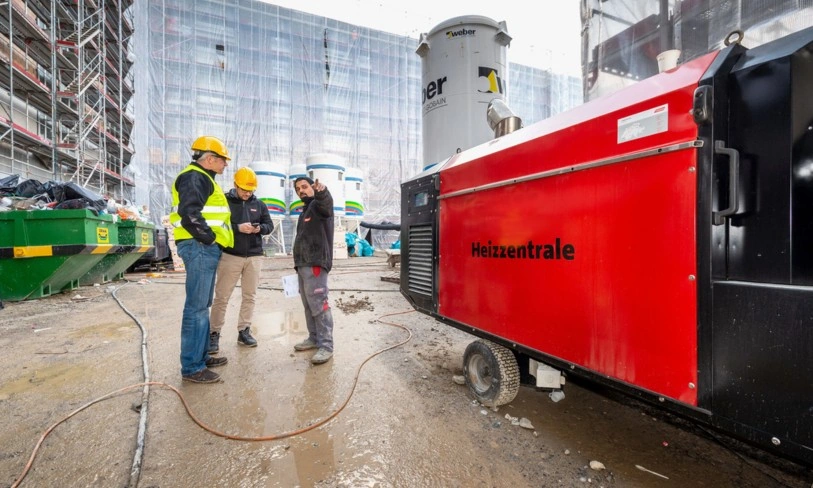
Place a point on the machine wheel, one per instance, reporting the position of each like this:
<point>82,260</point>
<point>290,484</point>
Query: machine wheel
<point>491,372</point>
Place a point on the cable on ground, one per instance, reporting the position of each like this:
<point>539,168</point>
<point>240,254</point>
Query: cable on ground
<point>279,288</point>
<point>135,472</point>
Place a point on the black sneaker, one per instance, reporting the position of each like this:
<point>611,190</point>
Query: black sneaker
<point>202,376</point>
<point>215,362</point>
<point>244,338</point>
<point>214,342</point>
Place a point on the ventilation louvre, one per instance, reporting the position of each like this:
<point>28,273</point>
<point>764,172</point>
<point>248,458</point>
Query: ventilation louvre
<point>420,259</point>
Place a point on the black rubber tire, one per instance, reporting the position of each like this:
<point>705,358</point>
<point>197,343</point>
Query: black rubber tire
<point>491,372</point>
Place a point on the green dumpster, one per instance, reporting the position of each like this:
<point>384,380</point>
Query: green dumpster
<point>46,251</point>
<point>135,239</point>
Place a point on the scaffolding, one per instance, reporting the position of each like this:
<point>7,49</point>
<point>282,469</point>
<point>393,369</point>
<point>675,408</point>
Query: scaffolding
<point>65,88</point>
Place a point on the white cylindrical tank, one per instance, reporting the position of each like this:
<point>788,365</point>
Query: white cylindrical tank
<point>354,194</point>
<point>329,169</point>
<point>464,67</point>
<point>271,182</point>
<point>294,202</point>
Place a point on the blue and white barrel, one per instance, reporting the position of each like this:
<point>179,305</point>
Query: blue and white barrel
<point>271,181</point>
<point>354,194</point>
<point>330,170</point>
<point>294,202</point>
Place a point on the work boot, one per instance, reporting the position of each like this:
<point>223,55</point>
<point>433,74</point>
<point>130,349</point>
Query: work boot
<point>202,376</point>
<point>214,342</point>
<point>244,338</point>
<point>215,362</point>
<point>305,345</point>
<point>321,356</point>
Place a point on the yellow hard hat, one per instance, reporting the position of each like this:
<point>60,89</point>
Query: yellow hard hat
<point>246,179</point>
<point>211,144</point>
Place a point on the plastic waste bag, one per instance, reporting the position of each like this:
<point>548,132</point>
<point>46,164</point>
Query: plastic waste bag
<point>351,240</point>
<point>72,191</point>
<point>29,188</point>
<point>9,183</point>
<point>366,249</point>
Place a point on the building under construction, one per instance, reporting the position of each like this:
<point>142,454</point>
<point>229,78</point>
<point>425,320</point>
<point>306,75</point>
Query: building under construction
<point>278,85</point>
<point>65,85</point>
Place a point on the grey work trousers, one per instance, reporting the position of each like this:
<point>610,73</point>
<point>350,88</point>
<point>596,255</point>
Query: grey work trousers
<point>313,290</point>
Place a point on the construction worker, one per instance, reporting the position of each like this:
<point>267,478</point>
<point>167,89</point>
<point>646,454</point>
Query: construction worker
<point>250,221</point>
<point>313,258</point>
<point>201,225</point>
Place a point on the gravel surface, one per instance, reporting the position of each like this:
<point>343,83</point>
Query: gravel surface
<point>406,422</point>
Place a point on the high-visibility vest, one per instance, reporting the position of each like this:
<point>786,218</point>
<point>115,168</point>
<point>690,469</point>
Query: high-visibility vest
<point>215,211</point>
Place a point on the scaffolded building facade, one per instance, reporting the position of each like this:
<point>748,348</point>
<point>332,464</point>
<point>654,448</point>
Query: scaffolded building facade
<point>66,84</point>
<point>279,85</point>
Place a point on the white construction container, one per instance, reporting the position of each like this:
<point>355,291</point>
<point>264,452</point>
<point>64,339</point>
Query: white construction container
<point>329,169</point>
<point>294,202</point>
<point>271,181</point>
<point>354,194</point>
<point>464,67</point>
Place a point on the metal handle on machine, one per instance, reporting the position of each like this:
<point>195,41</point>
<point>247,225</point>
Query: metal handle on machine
<point>718,218</point>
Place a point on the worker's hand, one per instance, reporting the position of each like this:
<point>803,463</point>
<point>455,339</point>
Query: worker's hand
<point>249,228</point>
<point>318,186</point>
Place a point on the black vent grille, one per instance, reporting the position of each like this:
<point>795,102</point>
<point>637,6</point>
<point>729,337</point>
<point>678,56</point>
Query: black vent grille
<point>420,259</point>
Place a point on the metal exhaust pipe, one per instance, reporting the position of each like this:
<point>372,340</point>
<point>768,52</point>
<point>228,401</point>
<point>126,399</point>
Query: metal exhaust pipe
<point>501,118</point>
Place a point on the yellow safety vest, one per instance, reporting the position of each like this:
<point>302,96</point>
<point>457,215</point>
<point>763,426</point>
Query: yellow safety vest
<point>215,211</point>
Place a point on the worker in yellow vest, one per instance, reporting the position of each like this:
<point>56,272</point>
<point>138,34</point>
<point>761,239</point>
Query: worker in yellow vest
<point>201,224</point>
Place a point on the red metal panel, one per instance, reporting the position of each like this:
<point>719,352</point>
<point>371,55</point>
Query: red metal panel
<point>623,306</point>
<point>618,295</point>
<point>588,132</point>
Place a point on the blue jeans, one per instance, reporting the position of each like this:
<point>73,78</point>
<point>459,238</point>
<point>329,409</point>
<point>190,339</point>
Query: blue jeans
<point>200,262</point>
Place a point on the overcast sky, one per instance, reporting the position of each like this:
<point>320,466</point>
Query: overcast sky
<point>545,32</point>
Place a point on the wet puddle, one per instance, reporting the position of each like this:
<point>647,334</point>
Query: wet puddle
<point>407,424</point>
<point>45,378</point>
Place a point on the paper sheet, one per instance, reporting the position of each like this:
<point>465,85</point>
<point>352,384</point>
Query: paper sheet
<point>290,286</point>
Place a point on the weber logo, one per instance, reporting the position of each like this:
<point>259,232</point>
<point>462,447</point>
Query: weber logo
<point>434,89</point>
<point>493,79</point>
<point>460,33</point>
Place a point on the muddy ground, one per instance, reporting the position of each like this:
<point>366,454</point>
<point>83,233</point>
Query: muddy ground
<point>407,423</point>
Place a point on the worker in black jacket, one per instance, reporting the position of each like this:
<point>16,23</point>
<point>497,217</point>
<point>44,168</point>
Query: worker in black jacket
<point>200,222</point>
<point>313,258</point>
<point>250,221</point>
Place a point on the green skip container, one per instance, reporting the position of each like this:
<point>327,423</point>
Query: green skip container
<point>43,252</point>
<point>135,239</point>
